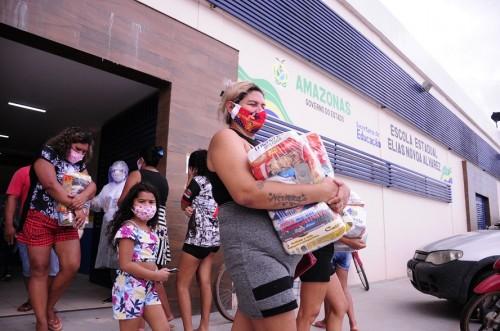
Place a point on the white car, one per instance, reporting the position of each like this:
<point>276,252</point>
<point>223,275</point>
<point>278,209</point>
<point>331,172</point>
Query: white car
<point>450,268</point>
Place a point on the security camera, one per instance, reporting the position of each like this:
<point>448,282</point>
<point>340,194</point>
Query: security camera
<point>426,86</point>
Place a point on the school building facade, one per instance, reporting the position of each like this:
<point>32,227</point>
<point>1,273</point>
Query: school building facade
<point>398,132</point>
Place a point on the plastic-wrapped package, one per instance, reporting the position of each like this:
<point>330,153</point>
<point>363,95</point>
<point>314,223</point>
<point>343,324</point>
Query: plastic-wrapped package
<point>73,183</point>
<point>305,229</point>
<point>354,213</point>
<point>287,158</point>
<point>318,148</point>
<point>295,159</point>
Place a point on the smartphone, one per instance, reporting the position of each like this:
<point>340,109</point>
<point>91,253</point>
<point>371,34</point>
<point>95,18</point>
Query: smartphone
<point>173,270</point>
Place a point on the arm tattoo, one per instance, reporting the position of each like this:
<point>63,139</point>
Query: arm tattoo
<point>286,200</point>
<point>260,185</point>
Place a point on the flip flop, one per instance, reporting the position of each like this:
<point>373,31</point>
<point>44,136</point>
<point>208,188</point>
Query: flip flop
<point>319,324</point>
<point>55,324</point>
<point>25,307</point>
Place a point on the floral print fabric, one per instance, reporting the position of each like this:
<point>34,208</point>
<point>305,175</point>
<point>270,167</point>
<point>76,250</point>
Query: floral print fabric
<point>145,242</point>
<point>130,294</point>
<point>41,200</point>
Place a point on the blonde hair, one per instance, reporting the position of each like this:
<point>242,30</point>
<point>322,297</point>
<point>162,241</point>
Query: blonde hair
<point>235,92</point>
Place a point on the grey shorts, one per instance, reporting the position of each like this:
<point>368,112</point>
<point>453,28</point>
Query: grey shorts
<point>259,266</point>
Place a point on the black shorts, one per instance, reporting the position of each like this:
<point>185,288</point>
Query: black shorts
<point>199,252</point>
<point>323,268</point>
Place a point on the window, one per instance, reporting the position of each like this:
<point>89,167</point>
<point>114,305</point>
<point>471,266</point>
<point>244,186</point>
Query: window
<point>482,212</point>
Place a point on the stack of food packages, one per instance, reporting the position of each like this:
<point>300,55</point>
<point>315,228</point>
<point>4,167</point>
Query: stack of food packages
<point>298,159</point>
<point>354,213</point>
<point>73,183</point>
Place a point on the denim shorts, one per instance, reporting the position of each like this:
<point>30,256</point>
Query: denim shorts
<point>25,261</point>
<point>342,260</point>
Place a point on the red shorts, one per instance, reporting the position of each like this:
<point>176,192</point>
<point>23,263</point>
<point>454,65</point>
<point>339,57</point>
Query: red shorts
<point>41,230</point>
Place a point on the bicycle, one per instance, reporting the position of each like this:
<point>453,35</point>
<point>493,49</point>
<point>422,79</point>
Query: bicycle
<point>224,294</point>
<point>361,271</point>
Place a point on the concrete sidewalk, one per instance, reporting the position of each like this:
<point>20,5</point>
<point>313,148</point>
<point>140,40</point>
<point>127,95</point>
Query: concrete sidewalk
<point>388,306</point>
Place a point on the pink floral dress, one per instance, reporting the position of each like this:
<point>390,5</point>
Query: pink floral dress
<point>130,294</point>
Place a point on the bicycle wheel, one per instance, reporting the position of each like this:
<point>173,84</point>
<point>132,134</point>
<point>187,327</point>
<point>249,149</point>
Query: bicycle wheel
<point>481,313</point>
<point>225,295</point>
<point>360,270</point>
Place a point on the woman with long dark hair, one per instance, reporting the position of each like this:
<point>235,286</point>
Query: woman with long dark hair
<point>201,243</point>
<point>68,152</point>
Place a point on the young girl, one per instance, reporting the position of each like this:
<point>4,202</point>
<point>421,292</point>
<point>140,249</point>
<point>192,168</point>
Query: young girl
<point>202,240</point>
<point>132,232</point>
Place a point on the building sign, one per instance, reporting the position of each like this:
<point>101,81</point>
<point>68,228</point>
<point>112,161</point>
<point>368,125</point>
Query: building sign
<point>407,147</point>
<point>402,142</point>
<point>367,134</point>
<point>322,99</point>
<point>304,96</point>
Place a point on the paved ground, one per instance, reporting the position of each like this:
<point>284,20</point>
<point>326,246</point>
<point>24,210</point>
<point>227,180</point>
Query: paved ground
<point>388,306</point>
<point>13,293</point>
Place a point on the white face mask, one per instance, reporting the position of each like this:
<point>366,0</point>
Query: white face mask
<point>118,175</point>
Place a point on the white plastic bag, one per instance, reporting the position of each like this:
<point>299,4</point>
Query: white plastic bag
<point>354,213</point>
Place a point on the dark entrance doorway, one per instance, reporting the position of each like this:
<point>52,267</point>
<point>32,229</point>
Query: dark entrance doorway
<point>482,212</point>
<point>122,138</point>
<point>119,104</point>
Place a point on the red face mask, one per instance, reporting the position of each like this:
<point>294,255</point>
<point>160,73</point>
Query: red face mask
<point>250,122</point>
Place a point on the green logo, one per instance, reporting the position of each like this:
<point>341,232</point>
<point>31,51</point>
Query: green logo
<point>280,72</point>
<point>446,175</point>
<point>274,105</point>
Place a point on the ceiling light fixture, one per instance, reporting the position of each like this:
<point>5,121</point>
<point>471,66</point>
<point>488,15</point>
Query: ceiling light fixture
<point>26,107</point>
<point>4,136</point>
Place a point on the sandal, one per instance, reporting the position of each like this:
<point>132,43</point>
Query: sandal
<point>55,324</point>
<point>25,307</point>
